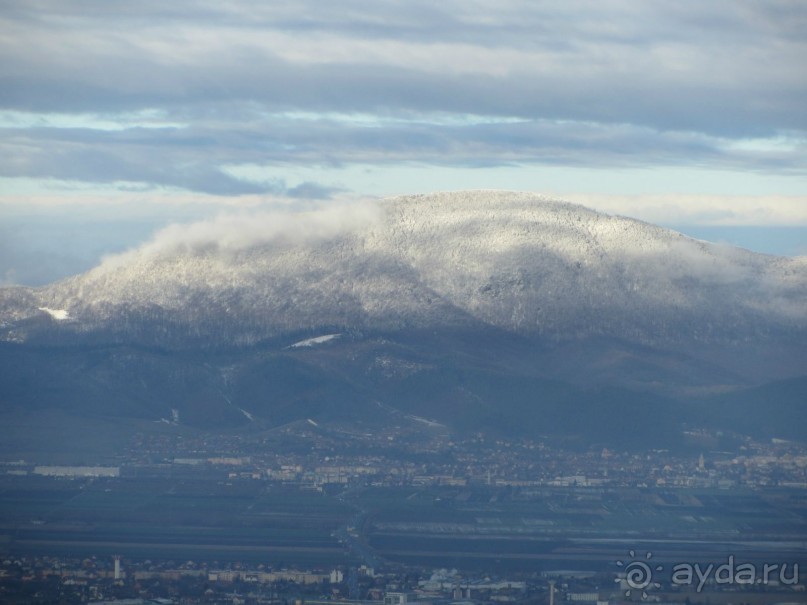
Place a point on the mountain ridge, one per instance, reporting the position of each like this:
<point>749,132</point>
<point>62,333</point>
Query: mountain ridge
<point>469,309</point>
<point>511,260</point>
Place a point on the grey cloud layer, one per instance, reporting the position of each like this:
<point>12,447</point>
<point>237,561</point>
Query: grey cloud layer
<point>593,83</point>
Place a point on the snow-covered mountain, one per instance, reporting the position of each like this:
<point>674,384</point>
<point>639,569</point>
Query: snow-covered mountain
<point>514,261</point>
<point>465,305</point>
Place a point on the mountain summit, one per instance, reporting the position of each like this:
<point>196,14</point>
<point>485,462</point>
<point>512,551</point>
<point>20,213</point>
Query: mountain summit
<point>514,261</point>
<point>524,286</point>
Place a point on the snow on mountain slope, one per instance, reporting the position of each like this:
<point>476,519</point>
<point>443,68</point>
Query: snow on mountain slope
<point>511,260</point>
<point>57,314</point>
<point>312,342</point>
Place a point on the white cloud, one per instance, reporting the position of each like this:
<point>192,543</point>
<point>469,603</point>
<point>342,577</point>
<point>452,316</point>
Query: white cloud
<point>230,233</point>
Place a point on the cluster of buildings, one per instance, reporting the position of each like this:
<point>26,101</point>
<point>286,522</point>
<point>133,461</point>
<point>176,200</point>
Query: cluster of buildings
<point>318,458</point>
<point>103,581</point>
<point>309,455</point>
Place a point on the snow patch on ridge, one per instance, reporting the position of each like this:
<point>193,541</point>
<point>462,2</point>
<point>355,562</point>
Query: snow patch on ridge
<point>57,314</point>
<point>317,340</point>
<point>426,421</point>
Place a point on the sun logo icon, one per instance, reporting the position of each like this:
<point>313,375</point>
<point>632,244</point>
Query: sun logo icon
<point>638,574</point>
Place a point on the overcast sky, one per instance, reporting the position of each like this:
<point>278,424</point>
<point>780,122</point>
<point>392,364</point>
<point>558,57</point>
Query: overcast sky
<point>117,117</point>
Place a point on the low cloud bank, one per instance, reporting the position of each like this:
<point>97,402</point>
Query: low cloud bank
<point>230,233</point>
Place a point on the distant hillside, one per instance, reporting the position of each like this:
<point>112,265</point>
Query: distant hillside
<point>473,309</point>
